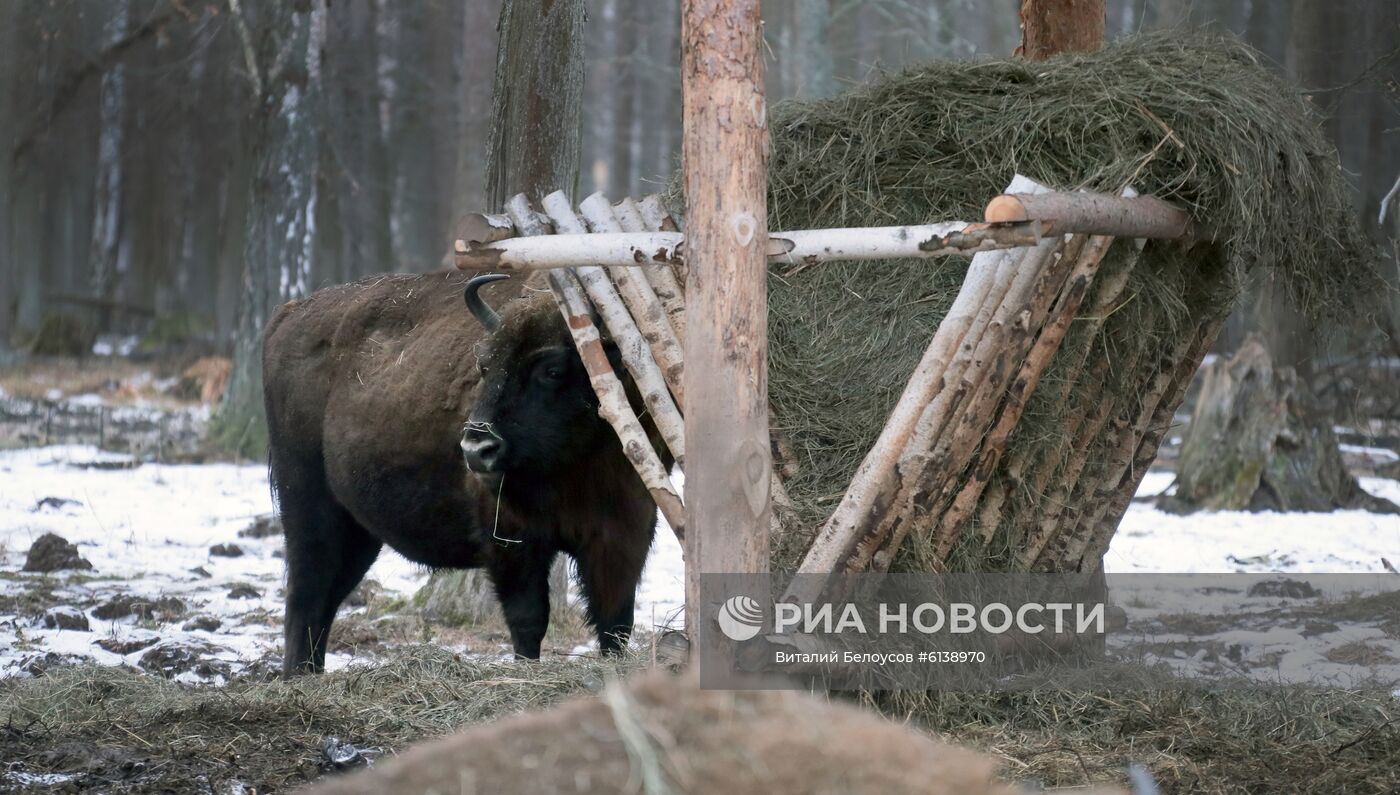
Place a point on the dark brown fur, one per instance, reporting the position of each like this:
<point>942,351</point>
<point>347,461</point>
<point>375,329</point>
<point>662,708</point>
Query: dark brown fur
<point>368,387</point>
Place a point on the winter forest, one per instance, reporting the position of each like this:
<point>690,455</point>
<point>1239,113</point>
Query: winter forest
<point>138,131</point>
<point>387,405</point>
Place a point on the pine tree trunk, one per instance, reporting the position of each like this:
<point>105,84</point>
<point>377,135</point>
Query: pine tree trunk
<point>1051,27</point>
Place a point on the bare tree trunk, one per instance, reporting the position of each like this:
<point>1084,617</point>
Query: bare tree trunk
<point>813,64</point>
<point>726,341</point>
<point>284,63</point>
<point>357,170</point>
<point>537,101</point>
<point>1051,27</point>
<point>110,252</point>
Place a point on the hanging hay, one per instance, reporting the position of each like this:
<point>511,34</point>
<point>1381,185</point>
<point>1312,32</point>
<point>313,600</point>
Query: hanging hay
<point>1199,122</point>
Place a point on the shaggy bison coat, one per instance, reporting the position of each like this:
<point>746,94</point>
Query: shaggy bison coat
<point>380,394</point>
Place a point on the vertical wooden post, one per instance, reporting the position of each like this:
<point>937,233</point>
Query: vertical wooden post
<point>1050,27</point>
<point>725,153</point>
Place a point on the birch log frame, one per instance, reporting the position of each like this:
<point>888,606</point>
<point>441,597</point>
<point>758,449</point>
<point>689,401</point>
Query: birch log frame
<point>1022,387</point>
<point>1092,213</point>
<point>614,405</point>
<point>630,340</point>
<point>644,305</point>
<point>988,279</point>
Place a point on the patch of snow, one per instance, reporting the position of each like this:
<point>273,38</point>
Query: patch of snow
<point>144,529</point>
<point>1149,540</point>
<point>1378,454</point>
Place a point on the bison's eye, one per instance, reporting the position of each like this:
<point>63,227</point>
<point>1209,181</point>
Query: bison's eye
<point>552,373</point>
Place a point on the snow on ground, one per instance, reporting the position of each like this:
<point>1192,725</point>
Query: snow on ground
<point>148,531</point>
<point>1149,540</point>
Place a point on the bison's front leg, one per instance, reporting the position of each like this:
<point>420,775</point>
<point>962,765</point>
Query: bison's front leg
<point>521,577</point>
<point>609,573</point>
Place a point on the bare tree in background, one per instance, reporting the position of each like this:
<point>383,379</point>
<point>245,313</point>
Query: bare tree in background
<point>811,56</point>
<point>537,100</point>
<point>282,44</point>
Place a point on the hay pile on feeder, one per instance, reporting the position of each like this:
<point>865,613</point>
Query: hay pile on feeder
<point>1200,122</point>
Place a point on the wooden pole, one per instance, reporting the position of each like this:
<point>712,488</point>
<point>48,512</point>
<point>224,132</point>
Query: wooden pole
<point>645,250</point>
<point>1050,27</point>
<point>725,154</point>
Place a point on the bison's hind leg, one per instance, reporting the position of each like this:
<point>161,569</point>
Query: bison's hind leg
<point>328,554</point>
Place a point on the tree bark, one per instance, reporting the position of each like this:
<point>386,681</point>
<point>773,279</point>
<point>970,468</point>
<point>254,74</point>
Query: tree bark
<point>536,104</point>
<point>286,46</point>
<point>725,163</point>
<point>1257,442</point>
<point>1051,27</point>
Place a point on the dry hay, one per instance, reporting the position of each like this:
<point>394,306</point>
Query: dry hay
<point>662,734</point>
<point>137,733</point>
<point>1199,122</point>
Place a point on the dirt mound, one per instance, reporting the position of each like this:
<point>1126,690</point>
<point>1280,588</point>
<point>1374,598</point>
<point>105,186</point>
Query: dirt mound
<point>670,736</point>
<point>54,553</point>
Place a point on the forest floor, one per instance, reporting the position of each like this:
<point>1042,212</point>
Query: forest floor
<point>155,667</point>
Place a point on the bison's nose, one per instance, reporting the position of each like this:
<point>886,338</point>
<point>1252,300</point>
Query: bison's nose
<point>482,448</point>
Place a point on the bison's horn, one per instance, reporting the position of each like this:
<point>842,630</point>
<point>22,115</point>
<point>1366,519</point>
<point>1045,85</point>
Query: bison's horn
<point>483,313</point>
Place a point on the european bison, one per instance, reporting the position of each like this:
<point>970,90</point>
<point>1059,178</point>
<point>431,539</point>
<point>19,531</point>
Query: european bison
<point>395,418</point>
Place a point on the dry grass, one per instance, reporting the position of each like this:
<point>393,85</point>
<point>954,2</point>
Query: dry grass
<point>268,734</point>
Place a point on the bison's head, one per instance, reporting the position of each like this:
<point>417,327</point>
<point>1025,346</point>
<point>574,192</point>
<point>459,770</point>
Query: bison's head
<point>535,409</point>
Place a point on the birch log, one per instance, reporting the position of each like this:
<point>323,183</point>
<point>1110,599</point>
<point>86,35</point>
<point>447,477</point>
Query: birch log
<point>613,404</point>
<point>1092,213</point>
<point>646,309</point>
<point>631,342</point>
<point>661,276</point>
<point>1077,347</point>
<point>806,247</point>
